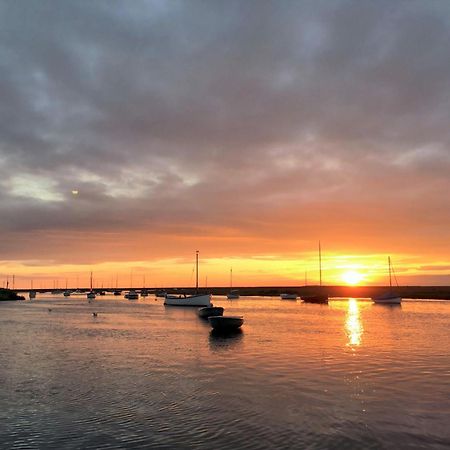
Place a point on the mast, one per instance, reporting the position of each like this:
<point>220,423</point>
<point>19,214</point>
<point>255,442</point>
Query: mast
<point>390,274</point>
<point>196,272</point>
<point>320,265</point>
<point>91,280</point>
<point>231,278</point>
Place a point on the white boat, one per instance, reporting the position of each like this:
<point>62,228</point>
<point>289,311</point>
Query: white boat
<point>388,298</point>
<point>288,296</point>
<point>189,300</point>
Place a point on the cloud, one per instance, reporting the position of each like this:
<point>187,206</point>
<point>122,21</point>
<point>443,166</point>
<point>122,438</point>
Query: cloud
<point>269,120</point>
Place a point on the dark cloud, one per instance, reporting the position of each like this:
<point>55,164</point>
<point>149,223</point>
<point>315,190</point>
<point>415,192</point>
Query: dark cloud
<point>188,118</point>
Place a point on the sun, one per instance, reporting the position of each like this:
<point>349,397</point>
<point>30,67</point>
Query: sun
<point>352,277</point>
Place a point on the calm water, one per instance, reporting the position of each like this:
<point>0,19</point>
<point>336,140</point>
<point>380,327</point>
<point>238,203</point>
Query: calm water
<point>347,375</point>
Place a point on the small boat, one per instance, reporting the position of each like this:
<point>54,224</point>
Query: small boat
<point>102,293</point>
<point>32,292</point>
<point>189,300</point>
<point>226,323</point>
<point>67,293</point>
<point>288,296</point>
<point>117,292</point>
<point>144,293</point>
<point>388,298</point>
<point>132,295</point>
<point>209,311</point>
<point>323,299</point>
<point>160,294</point>
<point>232,295</point>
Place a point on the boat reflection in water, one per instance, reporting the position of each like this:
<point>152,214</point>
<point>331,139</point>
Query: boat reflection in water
<point>225,340</point>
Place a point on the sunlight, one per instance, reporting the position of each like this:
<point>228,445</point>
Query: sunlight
<point>353,325</point>
<point>352,277</point>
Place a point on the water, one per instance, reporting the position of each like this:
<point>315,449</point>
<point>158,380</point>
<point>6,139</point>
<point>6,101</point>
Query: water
<point>347,375</point>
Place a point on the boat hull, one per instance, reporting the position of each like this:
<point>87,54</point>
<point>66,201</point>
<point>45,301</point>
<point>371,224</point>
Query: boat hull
<point>387,300</point>
<point>232,295</point>
<point>209,311</point>
<point>320,299</point>
<point>188,300</point>
<point>288,296</point>
<point>226,323</point>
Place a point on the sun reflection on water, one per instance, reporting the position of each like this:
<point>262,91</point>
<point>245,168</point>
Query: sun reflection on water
<point>353,324</point>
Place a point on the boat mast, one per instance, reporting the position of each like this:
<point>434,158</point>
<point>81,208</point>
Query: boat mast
<point>91,281</point>
<point>231,278</point>
<point>196,271</point>
<point>390,275</point>
<point>320,265</point>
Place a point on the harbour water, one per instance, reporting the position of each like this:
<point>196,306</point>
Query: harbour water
<point>140,375</point>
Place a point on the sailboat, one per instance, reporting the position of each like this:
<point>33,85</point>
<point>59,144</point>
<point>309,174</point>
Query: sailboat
<point>144,291</point>
<point>234,293</point>
<point>388,298</point>
<point>317,298</point>
<point>117,291</point>
<point>32,293</point>
<point>189,300</point>
<point>91,294</point>
<point>67,293</point>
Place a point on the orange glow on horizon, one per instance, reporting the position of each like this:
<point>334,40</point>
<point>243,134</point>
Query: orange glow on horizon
<point>259,270</point>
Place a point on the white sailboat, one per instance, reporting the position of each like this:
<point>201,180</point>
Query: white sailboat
<point>234,293</point>
<point>189,300</point>
<point>388,298</point>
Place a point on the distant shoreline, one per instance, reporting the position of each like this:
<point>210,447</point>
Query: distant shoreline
<point>414,292</point>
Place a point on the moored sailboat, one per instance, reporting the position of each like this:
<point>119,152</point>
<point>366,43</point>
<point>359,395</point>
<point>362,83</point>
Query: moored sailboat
<point>189,300</point>
<point>388,298</point>
<point>320,298</point>
<point>91,294</point>
<point>234,293</point>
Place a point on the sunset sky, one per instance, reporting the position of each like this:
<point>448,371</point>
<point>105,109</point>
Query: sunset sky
<point>134,133</point>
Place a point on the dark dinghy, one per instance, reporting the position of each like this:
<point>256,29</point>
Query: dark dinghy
<point>209,311</point>
<point>323,299</point>
<point>226,323</point>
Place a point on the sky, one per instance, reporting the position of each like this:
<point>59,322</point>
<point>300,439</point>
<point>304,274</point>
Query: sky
<point>134,133</point>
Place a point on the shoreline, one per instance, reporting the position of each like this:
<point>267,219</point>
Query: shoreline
<point>413,292</point>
